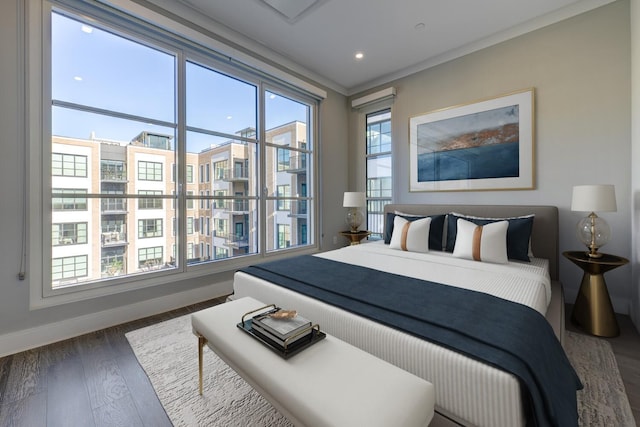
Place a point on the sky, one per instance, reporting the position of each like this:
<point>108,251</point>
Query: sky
<point>101,70</point>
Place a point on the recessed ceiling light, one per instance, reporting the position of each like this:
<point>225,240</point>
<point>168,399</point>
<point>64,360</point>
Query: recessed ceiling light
<point>86,29</point>
<point>229,117</point>
<point>359,56</point>
<point>77,78</point>
<point>272,96</point>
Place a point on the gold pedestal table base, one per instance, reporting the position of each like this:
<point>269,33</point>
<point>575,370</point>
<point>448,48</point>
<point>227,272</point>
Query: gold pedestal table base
<point>593,310</point>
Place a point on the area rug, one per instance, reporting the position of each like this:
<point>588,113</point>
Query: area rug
<point>167,352</point>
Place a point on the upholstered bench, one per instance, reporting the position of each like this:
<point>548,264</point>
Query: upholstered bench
<point>330,383</point>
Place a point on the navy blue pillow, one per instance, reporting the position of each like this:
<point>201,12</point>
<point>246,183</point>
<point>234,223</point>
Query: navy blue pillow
<point>518,234</point>
<point>435,229</point>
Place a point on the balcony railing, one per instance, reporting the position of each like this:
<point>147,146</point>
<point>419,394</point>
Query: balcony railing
<point>236,174</point>
<point>115,205</point>
<point>241,206</point>
<point>298,207</point>
<point>113,238</point>
<point>232,239</point>
<point>297,164</point>
<point>117,176</point>
<point>237,240</point>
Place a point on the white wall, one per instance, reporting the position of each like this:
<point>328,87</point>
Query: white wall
<point>21,327</point>
<point>635,158</point>
<point>580,69</point>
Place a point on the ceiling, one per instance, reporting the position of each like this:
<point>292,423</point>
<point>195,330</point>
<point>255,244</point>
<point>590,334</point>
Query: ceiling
<point>396,37</point>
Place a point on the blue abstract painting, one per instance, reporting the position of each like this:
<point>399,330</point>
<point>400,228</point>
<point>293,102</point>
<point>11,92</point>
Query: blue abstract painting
<point>474,146</point>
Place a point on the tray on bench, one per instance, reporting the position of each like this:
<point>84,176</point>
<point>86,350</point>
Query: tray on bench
<point>290,349</point>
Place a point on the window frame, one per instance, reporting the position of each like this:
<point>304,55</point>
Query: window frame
<point>37,129</point>
<point>75,263</point>
<point>63,162</point>
<point>76,226</point>
<point>149,228</point>
<point>147,203</point>
<point>156,171</point>
<point>377,199</point>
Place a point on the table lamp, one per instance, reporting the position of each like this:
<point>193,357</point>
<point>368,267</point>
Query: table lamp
<point>354,200</point>
<point>592,230</point>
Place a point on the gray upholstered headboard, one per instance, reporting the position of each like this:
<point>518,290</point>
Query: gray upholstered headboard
<point>544,237</point>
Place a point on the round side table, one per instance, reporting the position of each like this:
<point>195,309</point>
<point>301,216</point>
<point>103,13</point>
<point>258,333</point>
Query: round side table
<point>355,238</point>
<point>592,310</point>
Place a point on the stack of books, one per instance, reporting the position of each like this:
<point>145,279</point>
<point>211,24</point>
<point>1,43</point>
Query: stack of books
<point>282,332</point>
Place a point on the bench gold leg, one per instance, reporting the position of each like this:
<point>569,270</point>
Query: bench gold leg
<point>201,342</point>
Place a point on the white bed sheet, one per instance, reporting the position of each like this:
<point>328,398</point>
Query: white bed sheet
<point>467,391</point>
<point>524,283</point>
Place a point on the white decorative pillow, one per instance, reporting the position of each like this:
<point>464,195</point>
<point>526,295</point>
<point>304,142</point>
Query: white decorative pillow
<point>411,236</point>
<point>486,243</point>
<point>518,233</point>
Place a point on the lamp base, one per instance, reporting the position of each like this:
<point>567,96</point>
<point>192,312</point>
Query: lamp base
<point>354,219</point>
<point>594,254</point>
<point>594,232</point>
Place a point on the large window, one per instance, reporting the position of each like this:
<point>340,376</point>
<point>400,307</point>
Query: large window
<point>113,170</point>
<point>149,228</point>
<point>68,165</point>
<point>149,171</point>
<point>379,170</point>
<point>148,203</point>
<point>147,127</point>
<point>149,258</point>
<point>190,174</point>
<point>65,199</point>
<point>284,236</point>
<point>69,234</point>
<point>71,267</point>
<point>283,192</point>
<point>288,174</point>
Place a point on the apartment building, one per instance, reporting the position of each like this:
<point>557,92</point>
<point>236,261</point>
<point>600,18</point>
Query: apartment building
<point>114,202</point>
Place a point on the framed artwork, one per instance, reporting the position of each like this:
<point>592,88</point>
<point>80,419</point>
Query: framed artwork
<point>486,145</point>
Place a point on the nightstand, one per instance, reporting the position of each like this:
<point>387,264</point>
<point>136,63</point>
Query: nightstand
<point>355,238</point>
<point>592,310</point>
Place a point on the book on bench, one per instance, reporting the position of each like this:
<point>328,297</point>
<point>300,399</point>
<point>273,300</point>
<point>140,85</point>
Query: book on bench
<point>280,342</point>
<point>281,329</point>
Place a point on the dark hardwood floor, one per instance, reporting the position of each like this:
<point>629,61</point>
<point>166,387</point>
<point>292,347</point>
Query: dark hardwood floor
<point>91,380</point>
<point>95,379</point>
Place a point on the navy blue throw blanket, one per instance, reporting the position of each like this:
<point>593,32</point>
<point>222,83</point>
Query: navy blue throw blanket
<point>506,335</point>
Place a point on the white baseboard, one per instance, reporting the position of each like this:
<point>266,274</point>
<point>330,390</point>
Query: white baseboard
<point>15,342</point>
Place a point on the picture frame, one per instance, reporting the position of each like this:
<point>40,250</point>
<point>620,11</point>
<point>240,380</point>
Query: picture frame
<point>485,145</point>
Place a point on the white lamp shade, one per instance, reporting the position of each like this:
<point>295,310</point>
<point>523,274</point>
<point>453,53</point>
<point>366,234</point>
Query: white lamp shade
<point>594,198</point>
<point>353,199</point>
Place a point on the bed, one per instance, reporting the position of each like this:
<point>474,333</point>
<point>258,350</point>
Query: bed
<point>468,392</point>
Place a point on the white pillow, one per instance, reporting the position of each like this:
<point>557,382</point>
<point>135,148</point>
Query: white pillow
<point>412,236</point>
<point>482,242</point>
<point>530,216</point>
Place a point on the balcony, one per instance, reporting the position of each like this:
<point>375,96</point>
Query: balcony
<point>233,240</point>
<point>235,174</point>
<point>298,208</point>
<point>113,176</point>
<point>237,240</point>
<point>297,164</point>
<point>237,207</point>
<point>114,206</point>
<point>113,238</point>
